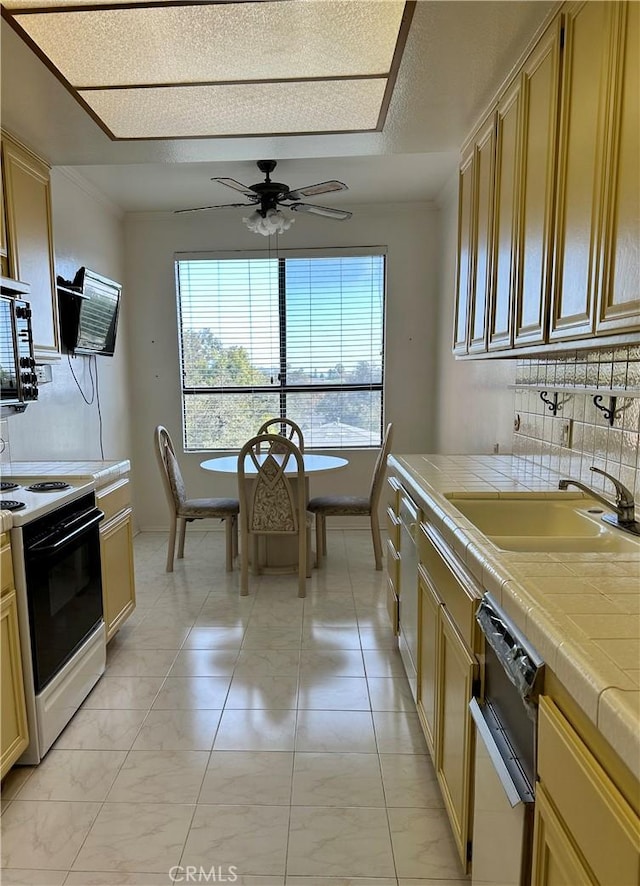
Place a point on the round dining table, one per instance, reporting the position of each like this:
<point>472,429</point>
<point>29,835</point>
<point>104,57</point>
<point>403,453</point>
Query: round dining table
<point>277,552</point>
<point>313,463</point>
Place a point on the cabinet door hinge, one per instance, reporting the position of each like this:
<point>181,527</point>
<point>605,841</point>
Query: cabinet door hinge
<point>468,850</point>
<point>476,688</point>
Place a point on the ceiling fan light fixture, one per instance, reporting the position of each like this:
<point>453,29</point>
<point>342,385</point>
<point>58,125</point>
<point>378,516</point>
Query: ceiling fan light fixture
<point>273,222</point>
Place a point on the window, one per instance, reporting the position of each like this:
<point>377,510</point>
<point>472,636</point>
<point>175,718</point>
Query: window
<point>293,336</point>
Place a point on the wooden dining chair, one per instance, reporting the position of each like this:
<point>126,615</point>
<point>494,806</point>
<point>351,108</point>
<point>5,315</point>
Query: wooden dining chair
<point>285,427</point>
<point>272,502</point>
<point>354,506</point>
<point>184,510</point>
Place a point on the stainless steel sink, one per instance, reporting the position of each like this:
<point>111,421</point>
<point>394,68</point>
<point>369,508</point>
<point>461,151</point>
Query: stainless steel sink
<point>525,523</point>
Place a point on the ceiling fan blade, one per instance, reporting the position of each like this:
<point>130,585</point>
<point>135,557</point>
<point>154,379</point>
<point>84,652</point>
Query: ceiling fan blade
<point>320,188</point>
<point>329,212</point>
<point>221,206</point>
<point>237,186</point>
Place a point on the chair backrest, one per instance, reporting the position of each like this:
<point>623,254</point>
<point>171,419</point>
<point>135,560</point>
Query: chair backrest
<point>271,504</point>
<point>380,467</point>
<point>284,427</point>
<point>169,468</point>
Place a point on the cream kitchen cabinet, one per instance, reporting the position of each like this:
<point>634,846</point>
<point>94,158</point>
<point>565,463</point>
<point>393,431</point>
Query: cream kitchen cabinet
<point>619,280</point>
<point>4,269</point>
<point>30,240</point>
<point>538,89</point>
<point>482,227</point>
<point>464,261</point>
<point>563,261</point>
<point>116,551</point>
<point>393,551</point>
<point>579,811</point>
<point>474,240</point>
<point>448,671</point>
<point>504,259</point>
<point>14,734</point>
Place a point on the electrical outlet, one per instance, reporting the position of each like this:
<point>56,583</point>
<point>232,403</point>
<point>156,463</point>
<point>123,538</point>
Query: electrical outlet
<point>43,373</point>
<point>566,433</point>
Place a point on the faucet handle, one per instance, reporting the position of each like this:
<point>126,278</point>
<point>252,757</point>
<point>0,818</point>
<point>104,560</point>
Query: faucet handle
<point>624,496</point>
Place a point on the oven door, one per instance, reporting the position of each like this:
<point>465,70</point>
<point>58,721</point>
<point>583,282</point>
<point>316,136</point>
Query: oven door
<point>64,589</point>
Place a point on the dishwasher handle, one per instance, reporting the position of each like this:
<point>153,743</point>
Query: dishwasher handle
<point>513,794</point>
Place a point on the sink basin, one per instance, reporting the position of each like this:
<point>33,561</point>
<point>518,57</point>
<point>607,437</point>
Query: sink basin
<point>535,524</point>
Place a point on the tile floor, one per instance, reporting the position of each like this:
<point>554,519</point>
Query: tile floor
<point>263,740</point>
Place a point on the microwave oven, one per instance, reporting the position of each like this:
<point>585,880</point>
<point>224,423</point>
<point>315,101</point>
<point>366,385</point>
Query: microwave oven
<point>18,379</point>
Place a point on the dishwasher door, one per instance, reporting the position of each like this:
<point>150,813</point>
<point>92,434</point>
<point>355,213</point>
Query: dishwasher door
<point>408,605</point>
<point>502,808</point>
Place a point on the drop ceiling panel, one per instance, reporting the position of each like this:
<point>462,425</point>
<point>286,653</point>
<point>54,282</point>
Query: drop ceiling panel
<point>106,55</point>
<point>225,42</point>
<point>256,108</point>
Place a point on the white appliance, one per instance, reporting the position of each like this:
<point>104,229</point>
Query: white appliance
<point>505,722</point>
<point>56,558</point>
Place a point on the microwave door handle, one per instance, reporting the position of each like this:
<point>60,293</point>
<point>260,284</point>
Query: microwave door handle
<point>42,548</point>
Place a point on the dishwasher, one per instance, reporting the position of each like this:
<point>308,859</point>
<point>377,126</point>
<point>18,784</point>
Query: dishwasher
<point>408,603</point>
<point>505,762</point>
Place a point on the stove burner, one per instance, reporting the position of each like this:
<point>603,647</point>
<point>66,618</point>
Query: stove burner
<point>49,486</point>
<point>6,504</point>
<point>8,485</point>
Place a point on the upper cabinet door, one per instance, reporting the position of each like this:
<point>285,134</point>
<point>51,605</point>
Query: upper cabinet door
<point>465,270</point>
<point>30,242</point>
<point>582,140</point>
<point>540,90</point>
<point>507,171</point>
<point>483,175</point>
<point>619,287</point>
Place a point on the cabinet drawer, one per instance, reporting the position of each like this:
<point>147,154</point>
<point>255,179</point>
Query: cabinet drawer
<point>452,582</point>
<point>393,566</point>
<point>392,491</point>
<point>393,528</point>
<point>593,810</point>
<point>6,565</point>
<point>113,499</point>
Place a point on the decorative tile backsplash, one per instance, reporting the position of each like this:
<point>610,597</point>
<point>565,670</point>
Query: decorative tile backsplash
<point>541,437</point>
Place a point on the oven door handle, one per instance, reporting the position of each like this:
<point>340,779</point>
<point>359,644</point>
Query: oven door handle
<point>43,548</point>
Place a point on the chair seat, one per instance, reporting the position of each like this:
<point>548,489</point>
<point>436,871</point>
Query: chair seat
<point>209,507</point>
<point>339,505</point>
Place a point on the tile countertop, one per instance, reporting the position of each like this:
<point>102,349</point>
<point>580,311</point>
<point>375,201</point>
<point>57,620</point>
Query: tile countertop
<point>101,472</point>
<point>580,611</point>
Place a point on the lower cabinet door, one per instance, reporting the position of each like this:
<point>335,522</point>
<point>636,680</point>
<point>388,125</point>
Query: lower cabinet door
<point>427,660</point>
<point>118,585</point>
<point>458,669</point>
<point>555,861</point>
<point>13,724</point>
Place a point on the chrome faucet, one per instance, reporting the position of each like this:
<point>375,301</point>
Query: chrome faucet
<point>624,504</point>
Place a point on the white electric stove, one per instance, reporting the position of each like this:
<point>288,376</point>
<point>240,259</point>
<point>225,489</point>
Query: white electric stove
<point>28,498</point>
<point>55,547</point>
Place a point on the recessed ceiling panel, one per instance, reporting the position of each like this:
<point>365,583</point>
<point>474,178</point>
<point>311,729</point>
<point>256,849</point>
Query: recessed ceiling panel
<point>252,108</point>
<point>233,41</point>
<point>105,52</point>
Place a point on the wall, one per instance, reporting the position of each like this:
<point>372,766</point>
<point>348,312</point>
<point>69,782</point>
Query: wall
<point>594,442</point>
<point>474,410</point>
<point>87,231</point>
<point>411,234</point>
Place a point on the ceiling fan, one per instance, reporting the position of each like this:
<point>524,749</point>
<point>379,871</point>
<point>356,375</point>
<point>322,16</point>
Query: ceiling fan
<point>268,195</point>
